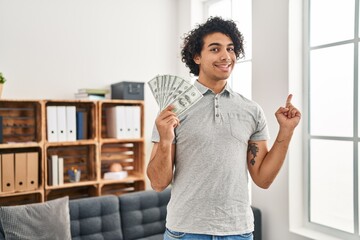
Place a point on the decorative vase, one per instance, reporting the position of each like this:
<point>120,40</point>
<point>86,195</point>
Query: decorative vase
<point>1,89</point>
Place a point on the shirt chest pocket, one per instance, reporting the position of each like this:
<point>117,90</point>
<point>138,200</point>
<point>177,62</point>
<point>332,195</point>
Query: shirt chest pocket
<point>241,127</point>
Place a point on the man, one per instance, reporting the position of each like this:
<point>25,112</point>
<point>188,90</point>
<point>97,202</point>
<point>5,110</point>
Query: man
<point>206,152</point>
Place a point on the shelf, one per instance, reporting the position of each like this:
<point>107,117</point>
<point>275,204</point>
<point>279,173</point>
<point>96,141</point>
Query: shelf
<point>72,143</point>
<point>130,178</point>
<point>21,121</point>
<point>25,125</point>
<point>22,198</point>
<point>81,157</point>
<point>19,145</point>
<point>71,185</point>
<point>73,192</point>
<point>114,140</point>
<point>120,188</point>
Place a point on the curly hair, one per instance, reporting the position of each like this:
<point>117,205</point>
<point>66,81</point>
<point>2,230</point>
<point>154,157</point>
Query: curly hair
<point>194,40</point>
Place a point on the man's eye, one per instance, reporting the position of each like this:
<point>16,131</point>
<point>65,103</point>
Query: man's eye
<point>231,49</point>
<point>214,50</point>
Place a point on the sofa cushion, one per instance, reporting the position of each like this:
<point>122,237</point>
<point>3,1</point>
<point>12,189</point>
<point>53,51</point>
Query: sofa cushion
<point>48,220</point>
<point>95,218</point>
<point>143,214</point>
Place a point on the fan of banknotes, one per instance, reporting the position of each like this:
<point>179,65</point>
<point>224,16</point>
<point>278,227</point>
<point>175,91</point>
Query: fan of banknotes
<point>173,90</point>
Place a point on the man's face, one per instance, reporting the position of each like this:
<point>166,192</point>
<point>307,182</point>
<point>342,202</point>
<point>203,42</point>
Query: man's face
<point>217,57</point>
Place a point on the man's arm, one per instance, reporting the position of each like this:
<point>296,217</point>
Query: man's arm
<point>264,165</point>
<point>161,164</point>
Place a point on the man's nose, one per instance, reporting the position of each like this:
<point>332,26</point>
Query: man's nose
<point>225,55</point>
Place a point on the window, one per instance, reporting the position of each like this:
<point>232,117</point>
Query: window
<point>240,12</point>
<point>332,138</point>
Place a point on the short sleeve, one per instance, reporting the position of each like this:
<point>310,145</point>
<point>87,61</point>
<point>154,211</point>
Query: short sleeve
<point>262,131</point>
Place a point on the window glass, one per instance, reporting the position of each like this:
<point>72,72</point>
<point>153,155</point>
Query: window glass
<point>241,79</point>
<point>331,177</point>
<point>331,21</point>
<point>220,8</point>
<point>239,11</point>
<point>331,91</point>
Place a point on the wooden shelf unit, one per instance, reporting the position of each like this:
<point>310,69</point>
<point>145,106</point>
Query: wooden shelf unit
<point>24,125</point>
<point>127,152</point>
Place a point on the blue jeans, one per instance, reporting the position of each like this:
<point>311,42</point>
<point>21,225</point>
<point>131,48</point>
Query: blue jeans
<point>173,235</point>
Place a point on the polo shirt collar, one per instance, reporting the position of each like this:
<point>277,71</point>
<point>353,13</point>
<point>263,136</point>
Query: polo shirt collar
<point>203,89</point>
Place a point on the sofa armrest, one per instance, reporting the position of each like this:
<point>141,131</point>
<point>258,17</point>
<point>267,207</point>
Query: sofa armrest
<point>257,222</point>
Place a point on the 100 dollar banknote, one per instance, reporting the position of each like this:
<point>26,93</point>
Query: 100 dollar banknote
<point>173,90</point>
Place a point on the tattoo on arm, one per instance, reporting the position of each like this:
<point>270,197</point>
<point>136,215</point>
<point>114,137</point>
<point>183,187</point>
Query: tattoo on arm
<point>253,149</point>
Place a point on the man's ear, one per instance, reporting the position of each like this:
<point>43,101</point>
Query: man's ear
<point>197,59</point>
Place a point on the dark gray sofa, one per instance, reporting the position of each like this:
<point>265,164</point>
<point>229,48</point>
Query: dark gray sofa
<point>139,215</point>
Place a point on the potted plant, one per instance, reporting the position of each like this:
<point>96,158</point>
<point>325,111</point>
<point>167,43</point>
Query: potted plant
<point>2,81</point>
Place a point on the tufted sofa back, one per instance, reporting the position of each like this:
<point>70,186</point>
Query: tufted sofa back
<point>95,218</point>
<point>143,214</point>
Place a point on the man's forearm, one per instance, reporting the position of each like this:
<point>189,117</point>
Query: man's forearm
<point>160,168</point>
<point>274,159</point>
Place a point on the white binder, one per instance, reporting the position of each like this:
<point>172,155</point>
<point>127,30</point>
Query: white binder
<point>71,123</point>
<point>116,122</point>
<point>60,170</point>
<point>51,124</point>
<point>133,119</point>
<point>55,170</point>
<point>61,123</point>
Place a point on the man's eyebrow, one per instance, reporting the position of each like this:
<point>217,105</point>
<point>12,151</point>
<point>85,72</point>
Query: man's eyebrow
<point>218,44</point>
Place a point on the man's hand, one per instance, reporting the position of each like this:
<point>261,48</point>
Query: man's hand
<point>288,116</point>
<point>166,122</point>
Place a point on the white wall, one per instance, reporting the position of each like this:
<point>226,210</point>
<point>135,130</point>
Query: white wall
<point>270,89</point>
<point>50,48</point>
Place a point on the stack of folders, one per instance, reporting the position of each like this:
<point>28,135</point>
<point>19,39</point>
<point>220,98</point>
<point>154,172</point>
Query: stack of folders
<point>55,170</point>
<point>92,94</point>
<point>123,122</point>
<point>64,123</point>
<point>61,123</point>
<point>19,171</point>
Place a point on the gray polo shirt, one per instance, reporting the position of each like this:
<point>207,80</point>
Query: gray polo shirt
<point>210,185</point>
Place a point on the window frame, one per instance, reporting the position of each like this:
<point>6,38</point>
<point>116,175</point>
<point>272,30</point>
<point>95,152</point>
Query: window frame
<point>299,199</point>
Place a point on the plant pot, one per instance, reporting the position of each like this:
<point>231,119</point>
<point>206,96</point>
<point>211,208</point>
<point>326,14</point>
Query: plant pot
<point>1,89</point>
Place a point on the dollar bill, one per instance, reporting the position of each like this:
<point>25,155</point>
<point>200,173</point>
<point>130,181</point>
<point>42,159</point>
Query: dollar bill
<point>170,89</point>
<point>186,100</point>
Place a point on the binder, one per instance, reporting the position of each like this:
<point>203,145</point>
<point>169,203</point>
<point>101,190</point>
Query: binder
<point>136,121</point>
<point>60,170</point>
<point>81,125</point>
<point>1,130</point>
<point>49,171</point>
<point>32,174</point>
<point>51,124</point>
<point>129,124</point>
<point>55,170</point>
<point>0,174</point>
<point>71,123</point>
<point>116,122</point>
<point>7,172</point>
<point>20,172</point>
<point>61,123</point>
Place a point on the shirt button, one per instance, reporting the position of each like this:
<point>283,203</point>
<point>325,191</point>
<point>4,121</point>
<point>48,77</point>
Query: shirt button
<point>217,106</point>
<point>216,98</point>
<point>217,115</point>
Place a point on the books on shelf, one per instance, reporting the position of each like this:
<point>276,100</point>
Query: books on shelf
<point>98,91</point>
<point>115,175</point>
<point>92,94</point>
<point>55,170</point>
